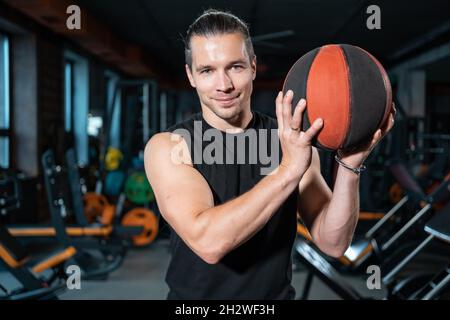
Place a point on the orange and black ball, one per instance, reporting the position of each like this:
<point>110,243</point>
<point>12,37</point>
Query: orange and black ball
<point>345,86</point>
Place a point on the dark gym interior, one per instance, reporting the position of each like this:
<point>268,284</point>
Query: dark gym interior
<point>78,103</point>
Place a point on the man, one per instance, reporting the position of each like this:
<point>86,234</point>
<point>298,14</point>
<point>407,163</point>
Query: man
<point>233,227</point>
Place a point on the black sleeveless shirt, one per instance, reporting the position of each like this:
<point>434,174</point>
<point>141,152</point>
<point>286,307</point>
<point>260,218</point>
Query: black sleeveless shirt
<point>260,268</point>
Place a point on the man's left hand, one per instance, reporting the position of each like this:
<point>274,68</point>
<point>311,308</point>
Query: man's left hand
<point>356,158</point>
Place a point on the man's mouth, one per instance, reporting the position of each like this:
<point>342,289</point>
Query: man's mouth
<point>226,98</point>
<point>226,101</point>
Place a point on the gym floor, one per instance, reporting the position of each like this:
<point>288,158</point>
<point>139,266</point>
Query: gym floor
<point>142,277</point>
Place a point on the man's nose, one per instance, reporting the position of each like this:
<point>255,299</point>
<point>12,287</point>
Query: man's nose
<point>224,82</point>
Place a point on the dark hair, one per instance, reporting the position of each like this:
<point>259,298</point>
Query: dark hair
<point>215,22</point>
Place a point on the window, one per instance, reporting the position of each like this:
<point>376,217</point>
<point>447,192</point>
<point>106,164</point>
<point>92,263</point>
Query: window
<point>5,133</point>
<point>68,95</point>
<point>113,108</point>
<point>76,78</point>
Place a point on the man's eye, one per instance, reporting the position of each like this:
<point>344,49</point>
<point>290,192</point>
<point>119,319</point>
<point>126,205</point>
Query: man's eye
<point>205,71</point>
<point>237,67</point>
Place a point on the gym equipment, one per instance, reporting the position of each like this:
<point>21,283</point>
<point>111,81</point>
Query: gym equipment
<point>346,87</point>
<point>395,193</point>
<point>114,183</point>
<point>113,158</point>
<point>140,225</point>
<point>43,232</point>
<point>145,218</point>
<point>424,202</point>
<point>138,122</point>
<point>139,112</point>
<point>97,207</point>
<point>375,183</point>
<point>34,284</point>
<point>438,227</point>
<point>318,266</point>
<point>423,286</point>
<point>429,174</point>
<point>375,244</point>
<point>138,163</point>
<point>112,249</point>
<point>106,213</point>
<point>137,188</point>
<point>27,270</point>
<point>9,195</point>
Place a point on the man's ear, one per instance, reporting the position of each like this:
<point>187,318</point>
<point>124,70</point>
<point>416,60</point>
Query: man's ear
<point>189,75</point>
<point>254,67</point>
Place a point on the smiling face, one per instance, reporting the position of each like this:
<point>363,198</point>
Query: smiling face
<point>222,73</point>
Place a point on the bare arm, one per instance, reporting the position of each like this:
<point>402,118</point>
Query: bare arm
<point>186,202</point>
<point>331,217</point>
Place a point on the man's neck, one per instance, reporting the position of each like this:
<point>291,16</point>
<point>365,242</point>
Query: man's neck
<point>235,125</point>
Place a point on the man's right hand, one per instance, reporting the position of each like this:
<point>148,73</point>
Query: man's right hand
<point>295,143</point>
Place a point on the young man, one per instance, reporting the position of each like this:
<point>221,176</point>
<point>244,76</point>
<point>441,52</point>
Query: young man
<point>233,226</point>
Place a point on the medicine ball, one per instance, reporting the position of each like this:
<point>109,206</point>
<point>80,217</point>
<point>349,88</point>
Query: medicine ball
<point>345,86</point>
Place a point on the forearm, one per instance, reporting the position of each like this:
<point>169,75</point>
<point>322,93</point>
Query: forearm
<point>334,227</point>
<point>223,228</point>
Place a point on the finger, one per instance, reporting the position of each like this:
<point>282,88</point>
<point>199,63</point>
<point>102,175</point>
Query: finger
<point>313,130</point>
<point>391,122</point>
<point>287,109</point>
<point>394,110</point>
<point>279,110</point>
<point>388,125</point>
<point>296,121</point>
<point>376,137</point>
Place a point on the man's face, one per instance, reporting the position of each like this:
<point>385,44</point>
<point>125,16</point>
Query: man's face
<point>222,73</point>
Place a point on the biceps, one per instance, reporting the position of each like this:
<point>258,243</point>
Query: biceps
<point>181,194</point>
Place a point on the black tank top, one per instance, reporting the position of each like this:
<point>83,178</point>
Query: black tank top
<point>260,268</point>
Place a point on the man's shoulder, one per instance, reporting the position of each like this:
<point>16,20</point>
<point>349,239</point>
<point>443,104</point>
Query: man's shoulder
<point>165,146</point>
<point>185,124</point>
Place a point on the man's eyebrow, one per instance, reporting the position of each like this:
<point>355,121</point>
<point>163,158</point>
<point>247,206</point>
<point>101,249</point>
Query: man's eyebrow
<point>242,61</point>
<point>202,67</point>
